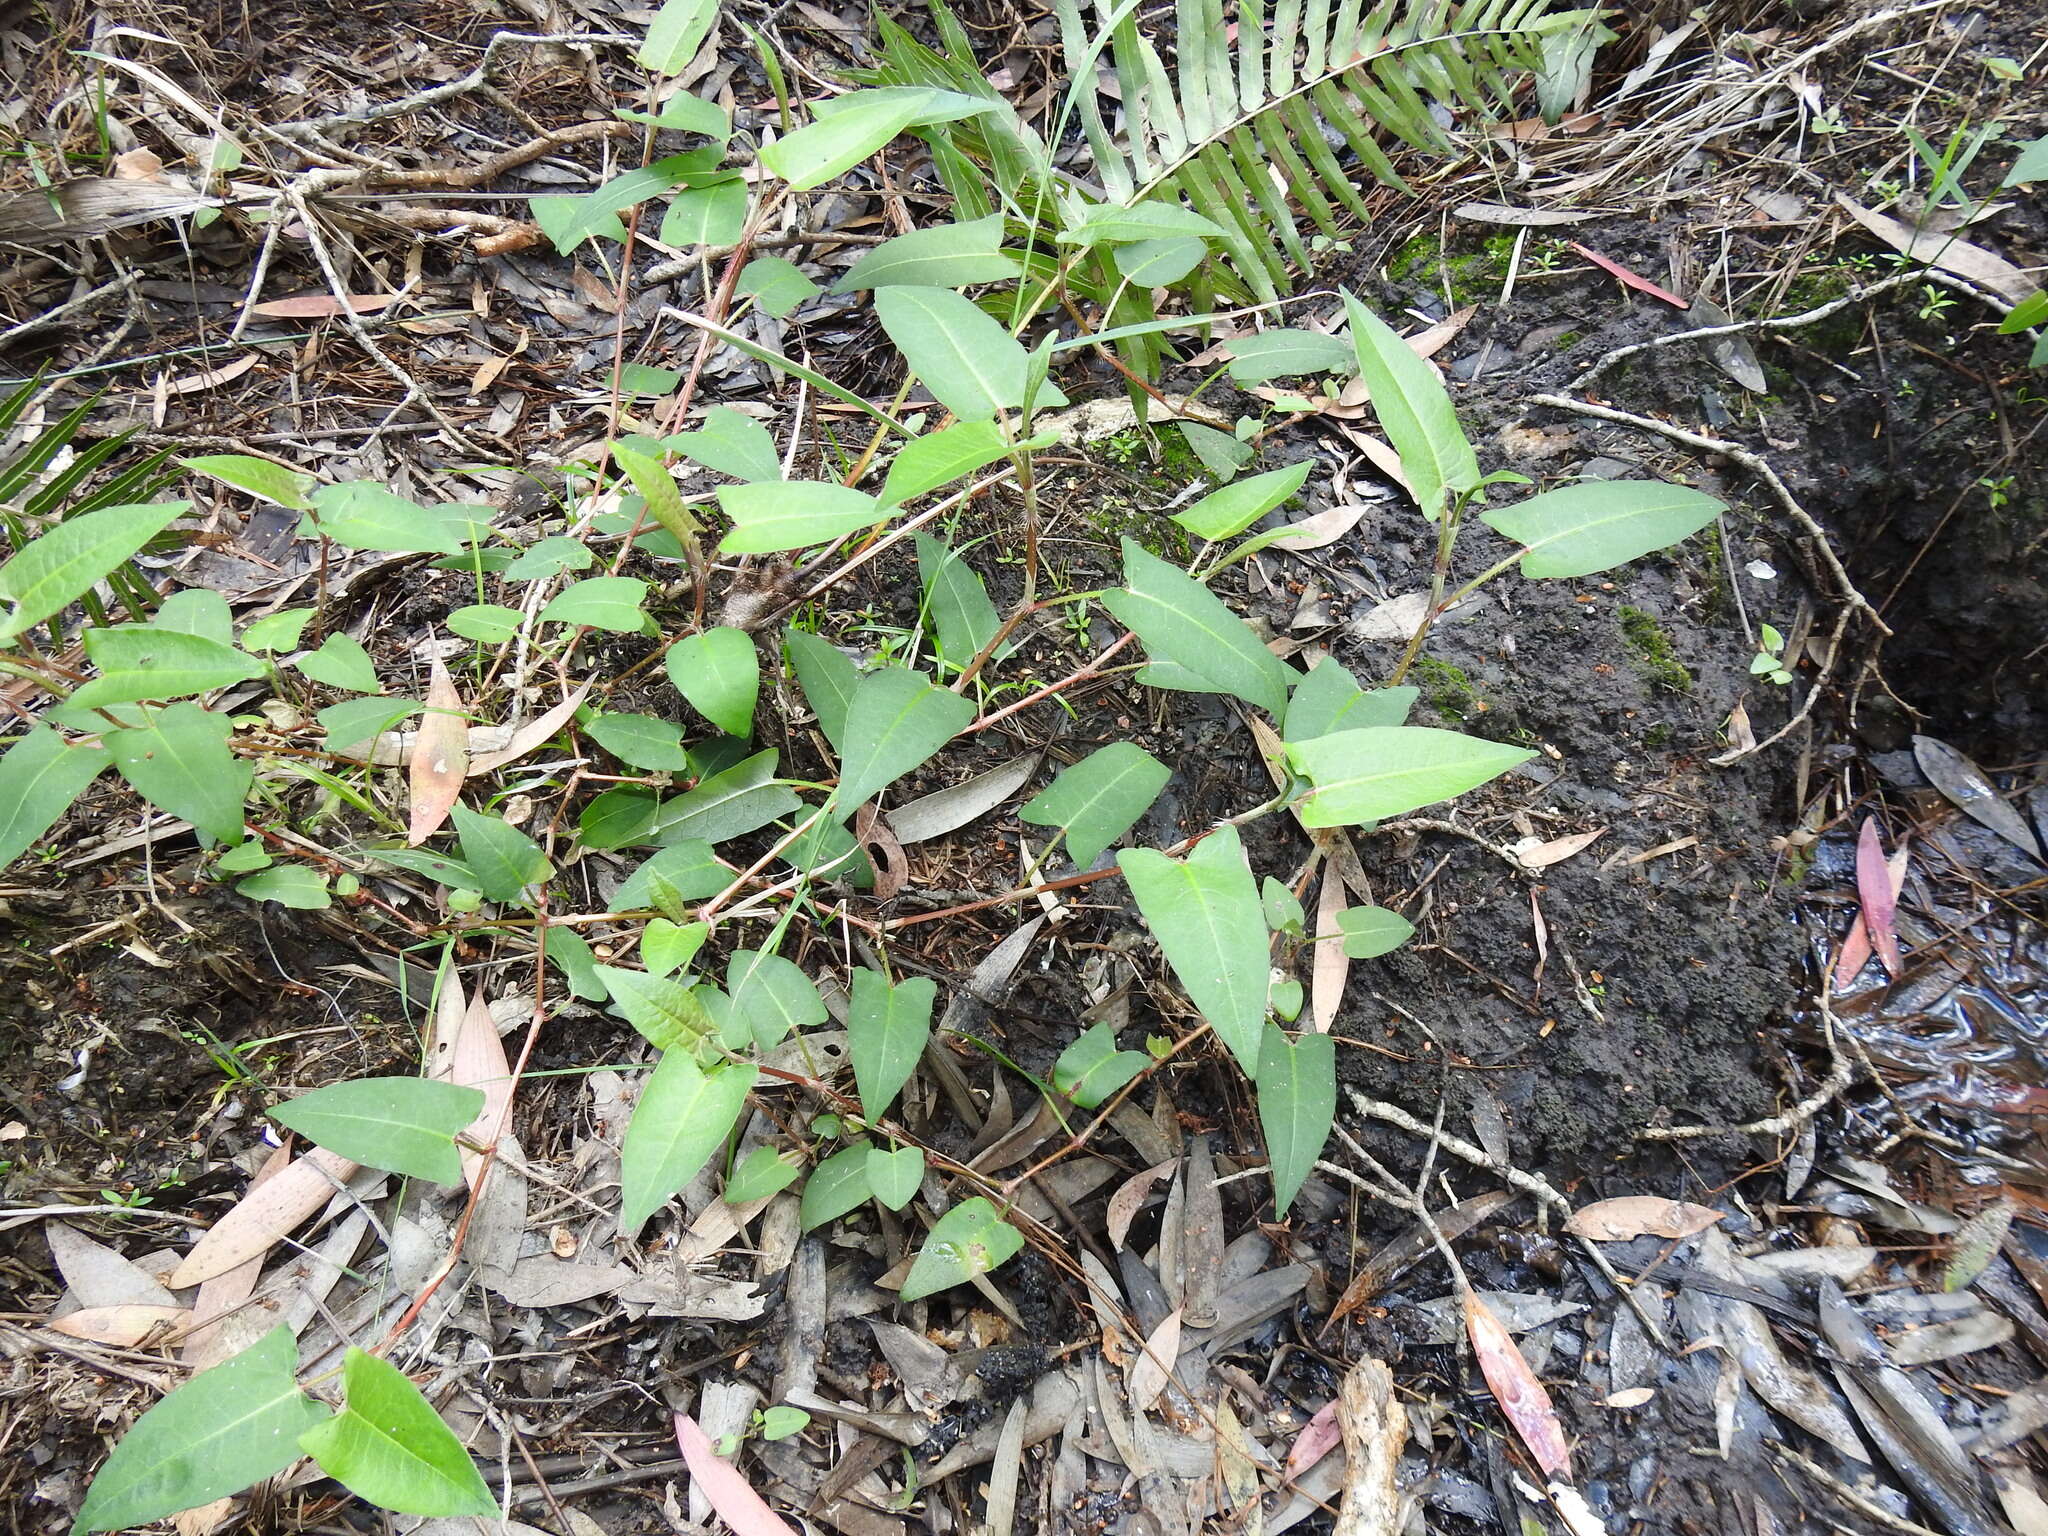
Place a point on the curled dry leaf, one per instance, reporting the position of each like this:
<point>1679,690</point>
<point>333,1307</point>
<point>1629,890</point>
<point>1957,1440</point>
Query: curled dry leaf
<point>440,758</point>
<point>1617,1220</point>
<point>1515,1387</point>
<point>1129,1199</point>
<point>731,1495</point>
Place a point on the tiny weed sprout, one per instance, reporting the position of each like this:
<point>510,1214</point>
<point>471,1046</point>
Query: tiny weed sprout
<point>1769,661</point>
<point>748,805</point>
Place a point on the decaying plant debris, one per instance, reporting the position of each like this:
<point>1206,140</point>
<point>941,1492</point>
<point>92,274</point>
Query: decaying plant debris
<point>1684,1073</point>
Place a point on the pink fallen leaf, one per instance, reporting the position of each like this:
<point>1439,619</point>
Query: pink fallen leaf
<point>262,1216</point>
<point>1129,1199</point>
<point>1880,900</point>
<point>1856,948</point>
<point>440,758</point>
<point>1515,1387</point>
<point>469,1052</point>
<point>319,306</point>
<point>1429,342</point>
<point>731,1495</point>
<point>123,1326</point>
<point>1318,1437</point>
<point>1634,280</point>
<point>1627,1216</point>
<point>538,731</point>
<point>210,1339</point>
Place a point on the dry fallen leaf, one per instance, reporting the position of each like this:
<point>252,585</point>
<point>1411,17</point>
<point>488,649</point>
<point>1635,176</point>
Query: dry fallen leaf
<point>1532,854</point>
<point>469,1052</point>
<point>1515,1387</point>
<point>1330,969</point>
<point>440,758</point>
<point>1318,1437</point>
<point>1153,1364</point>
<point>1630,279</point>
<point>1129,1199</point>
<point>122,1326</point>
<point>1970,262</point>
<point>1629,1397</point>
<point>318,306</point>
<point>192,383</point>
<point>1618,1220</point>
<point>264,1215</point>
<point>1878,895</point>
<point>533,733</point>
<point>731,1495</point>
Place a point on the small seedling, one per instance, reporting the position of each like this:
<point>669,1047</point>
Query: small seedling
<point>1769,661</point>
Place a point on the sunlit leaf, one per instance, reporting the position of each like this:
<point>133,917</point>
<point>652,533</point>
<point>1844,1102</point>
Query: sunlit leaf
<point>674,36</point>
<point>388,1446</point>
<point>893,1177</point>
<point>731,443</point>
<point>942,256</point>
<point>766,1171</point>
<point>602,602</point>
<point>772,995</point>
<point>228,1427</point>
<point>298,886</point>
<point>400,1124</point>
<point>504,859</point>
<point>835,1187</point>
<point>771,516</point>
<point>640,741</point>
<point>828,677</point>
<point>1204,910</point>
<point>662,1010</point>
<point>261,478</point>
<point>1329,699</point>
<point>1225,513</point>
<point>939,458</point>
<point>341,662</point>
<point>741,799</point>
<point>961,614</point>
<point>1281,354</point>
<point>141,661</point>
<point>1414,411</point>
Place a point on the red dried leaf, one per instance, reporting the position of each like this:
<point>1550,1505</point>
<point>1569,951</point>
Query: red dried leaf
<point>1856,948</point>
<point>1879,897</point>
<point>1634,280</point>
<point>1317,1439</point>
<point>731,1495</point>
<point>469,1052</point>
<point>319,306</point>
<point>440,758</point>
<point>1515,1387</point>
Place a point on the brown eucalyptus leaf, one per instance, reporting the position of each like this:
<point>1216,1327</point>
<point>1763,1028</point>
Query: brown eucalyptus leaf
<point>1618,1220</point>
<point>262,1216</point>
<point>469,1052</point>
<point>1129,1198</point>
<point>1880,900</point>
<point>1947,251</point>
<point>1977,1243</point>
<point>440,758</point>
<point>1153,1364</point>
<point>123,1326</point>
<point>1972,793</point>
<point>535,732</point>
<point>1522,1399</point>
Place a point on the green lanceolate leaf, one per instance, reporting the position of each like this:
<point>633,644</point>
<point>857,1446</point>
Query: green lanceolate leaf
<point>602,602</point>
<point>622,817</point>
<point>180,762</point>
<point>972,366</point>
<point>485,623</point>
<point>1141,221</point>
<point>503,858</point>
<point>657,488</point>
<point>893,1177</point>
<point>771,516</point>
<point>772,996</point>
<point>1225,513</point>
<point>353,724</point>
<point>957,601</point>
<point>886,1030</point>
<point>828,678</point>
<point>228,1427</point>
<point>1183,622</point>
<point>835,1187</point>
<point>713,215</point>
<point>860,123</point>
<point>943,256</point>
<point>197,611</point>
<point>896,721</point>
<point>389,1446</point>
<point>641,741</point>
<point>718,672</point>
<point>684,1115</point>
<point>1381,771</point>
<point>939,458</point>
<point>277,631</point>
<point>1578,530</point>
<point>1414,410</point>
<point>1370,932</point>
<point>1204,910</point>
<point>1297,1093</point>
<point>741,799</point>
<point>400,1124</point>
<point>62,564</point>
<point>1092,1068</point>
<point>40,776</point>
<point>1329,699</point>
<point>674,36</point>
<point>1099,799</point>
<point>572,954</point>
<point>766,1171</point>
<point>662,1010</point>
<point>1160,263</point>
<point>261,478</point>
<point>971,1239</point>
<point>141,661</point>
<point>1284,354</point>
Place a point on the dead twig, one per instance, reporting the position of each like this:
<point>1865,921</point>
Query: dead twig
<point>1839,1072</point>
<point>475,79</point>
